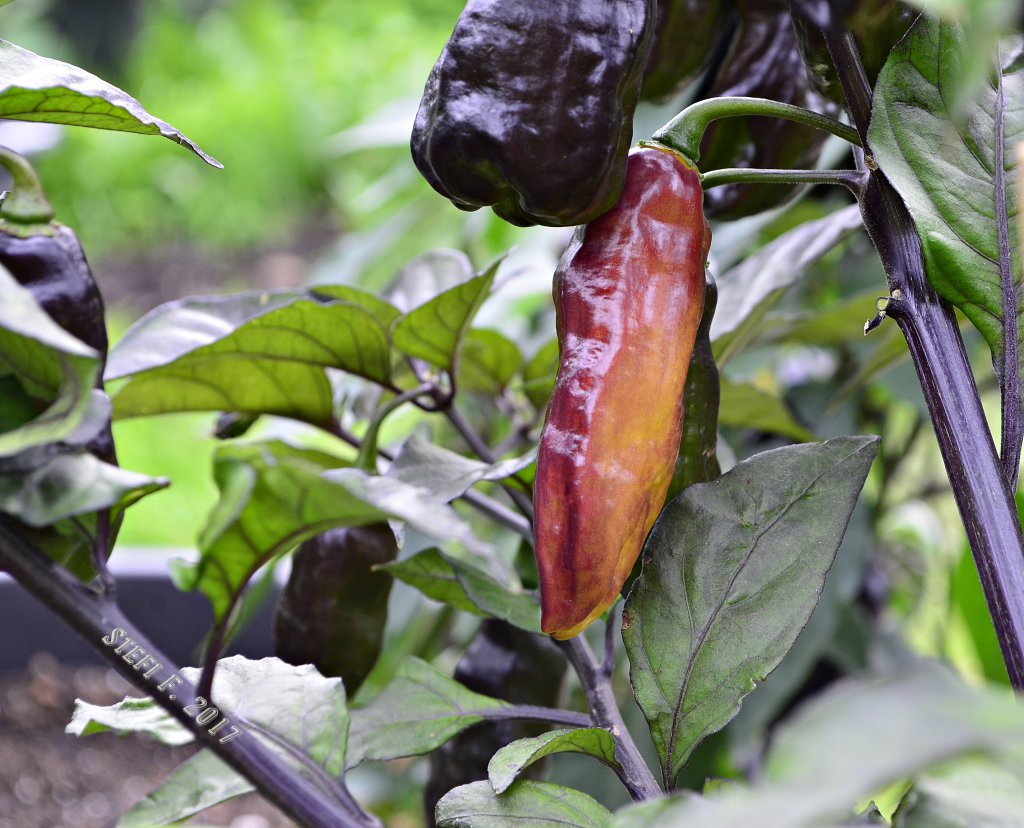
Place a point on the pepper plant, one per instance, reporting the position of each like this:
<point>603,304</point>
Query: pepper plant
<point>547,487</point>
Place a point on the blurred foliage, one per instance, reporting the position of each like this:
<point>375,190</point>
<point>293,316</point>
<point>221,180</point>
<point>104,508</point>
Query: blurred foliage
<point>308,103</point>
<point>265,83</point>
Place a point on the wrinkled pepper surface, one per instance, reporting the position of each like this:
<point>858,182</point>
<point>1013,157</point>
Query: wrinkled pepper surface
<point>529,108</point>
<point>628,294</point>
<point>685,36</point>
<point>333,610</point>
<point>764,62</point>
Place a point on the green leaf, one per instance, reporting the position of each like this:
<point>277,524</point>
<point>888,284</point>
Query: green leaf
<point>488,362</point>
<point>252,352</point>
<point>445,474</point>
<point>383,311</point>
<point>832,326</point>
<point>467,588</point>
<point>971,793</point>
<point>848,744</point>
<point>749,290</point>
<point>539,375</point>
<point>198,783</point>
<point>732,571</point>
<point>35,88</point>
<point>746,406</point>
<point>418,711</point>
<point>526,804</point>
<point>130,715</point>
<point>435,330</point>
<point>69,485</point>
<point>506,765</point>
<point>957,173</point>
<point>291,709</point>
<point>273,497</point>
<point>50,365</point>
<point>428,274</point>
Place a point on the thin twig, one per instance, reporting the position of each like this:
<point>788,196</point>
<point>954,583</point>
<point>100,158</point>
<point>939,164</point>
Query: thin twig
<point>534,713</point>
<point>634,773</point>
<point>853,180</point>
<point>483,451</point>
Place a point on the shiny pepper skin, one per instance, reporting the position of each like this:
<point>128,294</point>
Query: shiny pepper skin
<point>628,293</point>
<point>529,108</point>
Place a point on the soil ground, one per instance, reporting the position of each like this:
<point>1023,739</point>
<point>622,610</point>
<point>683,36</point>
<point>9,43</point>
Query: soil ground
<point>50,779</point>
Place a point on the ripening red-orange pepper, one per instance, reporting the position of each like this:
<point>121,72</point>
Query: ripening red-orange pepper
<point>628,293</point>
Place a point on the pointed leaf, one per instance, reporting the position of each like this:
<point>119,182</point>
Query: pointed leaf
<point>732,570</point>
<point>958,176</point>
<point>488,361</point>
<point>198,783</point>
<point>445,474</point>
<point>434,331</point>
<point>468,588</point>
<point>526,804</point>
<point>273,497</point>
<point>419,711</point>
<point>256,352</point>
<point>69,485</point>
<point>506,765</point>
<point>35,88</point>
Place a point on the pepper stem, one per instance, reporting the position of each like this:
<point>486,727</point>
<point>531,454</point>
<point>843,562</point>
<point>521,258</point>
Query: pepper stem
<point>367,459</point>
<point>27,203</point>
<point>684,132</point>
<point>853,180</point>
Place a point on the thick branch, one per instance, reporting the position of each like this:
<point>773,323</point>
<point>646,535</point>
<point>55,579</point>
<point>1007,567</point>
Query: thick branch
<point>94,617</point>
<point>982,491</point>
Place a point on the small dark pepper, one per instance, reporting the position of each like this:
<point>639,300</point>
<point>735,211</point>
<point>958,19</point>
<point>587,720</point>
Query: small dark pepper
<point>530,107</point>
<point>334,607</point>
